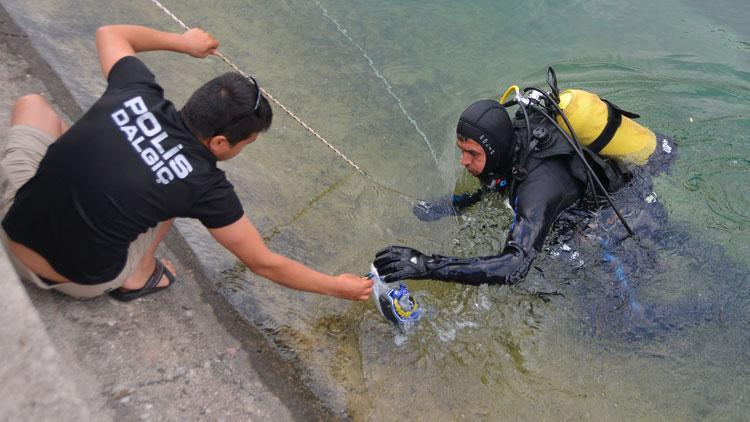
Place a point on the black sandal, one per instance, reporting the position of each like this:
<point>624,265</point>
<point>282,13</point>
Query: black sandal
<point>150,286</point>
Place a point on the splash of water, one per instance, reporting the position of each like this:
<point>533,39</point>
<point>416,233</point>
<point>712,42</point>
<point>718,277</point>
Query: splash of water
<point>380,76</point>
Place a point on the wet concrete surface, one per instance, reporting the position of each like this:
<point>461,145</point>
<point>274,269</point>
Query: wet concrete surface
<point>183,354</point>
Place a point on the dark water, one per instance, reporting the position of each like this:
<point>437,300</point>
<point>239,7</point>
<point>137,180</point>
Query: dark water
<point>652,330</point>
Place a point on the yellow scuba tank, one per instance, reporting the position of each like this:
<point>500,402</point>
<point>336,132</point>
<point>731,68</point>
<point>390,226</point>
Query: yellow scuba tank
<point>605,128</point>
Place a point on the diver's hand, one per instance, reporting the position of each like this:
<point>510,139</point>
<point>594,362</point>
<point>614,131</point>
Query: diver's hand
<point>399,262</point>
<point>431,211</point>
<point>199,43</point>
<point>352,287</point>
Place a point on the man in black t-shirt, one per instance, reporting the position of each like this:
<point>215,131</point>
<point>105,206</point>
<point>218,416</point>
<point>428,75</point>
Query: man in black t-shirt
<point>88,205</point>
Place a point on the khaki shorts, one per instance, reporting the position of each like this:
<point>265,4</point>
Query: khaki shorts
<point>19,160</point>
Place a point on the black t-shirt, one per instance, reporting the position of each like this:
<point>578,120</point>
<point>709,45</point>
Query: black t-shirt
<point>127,165</point>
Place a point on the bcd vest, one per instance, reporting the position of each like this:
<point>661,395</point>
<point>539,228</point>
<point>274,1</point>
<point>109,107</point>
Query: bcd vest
<point>547,141</point>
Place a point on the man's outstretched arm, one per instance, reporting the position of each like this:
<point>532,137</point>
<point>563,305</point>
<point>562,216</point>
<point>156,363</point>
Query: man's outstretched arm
<point>545,194</point>
<point>114,42</point>
<point>243,240</point>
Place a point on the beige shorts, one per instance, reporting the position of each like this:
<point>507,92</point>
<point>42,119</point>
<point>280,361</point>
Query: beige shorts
<point>19,160</point>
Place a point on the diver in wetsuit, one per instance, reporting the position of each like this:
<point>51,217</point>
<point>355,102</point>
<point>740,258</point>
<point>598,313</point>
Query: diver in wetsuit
<point>545,175</point>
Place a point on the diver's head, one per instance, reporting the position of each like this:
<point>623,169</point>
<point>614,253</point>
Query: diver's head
<point>486,139</point>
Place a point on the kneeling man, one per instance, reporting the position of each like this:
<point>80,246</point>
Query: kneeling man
<point>88,205</point>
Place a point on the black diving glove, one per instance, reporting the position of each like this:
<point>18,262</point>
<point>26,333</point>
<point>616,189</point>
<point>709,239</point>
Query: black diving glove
<point>431,211</point>
<point>399,262</point>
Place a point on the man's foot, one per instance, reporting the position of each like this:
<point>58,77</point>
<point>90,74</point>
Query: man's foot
<point>161,278</point>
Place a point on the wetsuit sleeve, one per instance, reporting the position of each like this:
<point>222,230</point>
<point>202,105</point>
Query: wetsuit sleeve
<point>443,207</point>
<point>537,202</point>
<point>466,200</point>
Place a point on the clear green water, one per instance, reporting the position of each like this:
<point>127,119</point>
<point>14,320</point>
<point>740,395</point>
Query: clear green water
<point>497,352</point>
<point>385,82</point>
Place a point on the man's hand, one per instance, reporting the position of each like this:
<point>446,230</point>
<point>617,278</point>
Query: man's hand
<point>352,287</point>
<point>431,211</point>
<point>399,262</point>
<point>117,41</point>
<point>199,43</point>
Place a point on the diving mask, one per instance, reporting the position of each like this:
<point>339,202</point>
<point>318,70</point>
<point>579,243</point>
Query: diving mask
<point>396,305</point>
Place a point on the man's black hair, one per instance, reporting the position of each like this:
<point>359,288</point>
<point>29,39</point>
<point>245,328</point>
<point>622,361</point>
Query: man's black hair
<point>217,107</point>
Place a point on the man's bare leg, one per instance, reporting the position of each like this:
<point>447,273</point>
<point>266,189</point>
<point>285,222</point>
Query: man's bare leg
<point>33,110</point>
<point>146,266</point>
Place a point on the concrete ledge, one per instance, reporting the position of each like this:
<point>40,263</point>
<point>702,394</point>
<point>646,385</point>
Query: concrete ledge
<point>34,383</point>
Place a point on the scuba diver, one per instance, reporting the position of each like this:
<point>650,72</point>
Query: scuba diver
<point>560,158</point>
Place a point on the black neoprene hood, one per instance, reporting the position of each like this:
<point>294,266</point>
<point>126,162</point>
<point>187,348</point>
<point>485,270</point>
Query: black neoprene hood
<point>488,123</point>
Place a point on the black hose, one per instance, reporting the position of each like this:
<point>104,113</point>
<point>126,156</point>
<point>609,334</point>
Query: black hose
<point>552,82</point>
<point>586,164</point>
<point>575,144</point>
<point>578,147</point>
<point>528,125</point>
<point>590,186</point>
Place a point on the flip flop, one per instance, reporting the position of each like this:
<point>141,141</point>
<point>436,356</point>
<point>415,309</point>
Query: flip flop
<point>150,286</point>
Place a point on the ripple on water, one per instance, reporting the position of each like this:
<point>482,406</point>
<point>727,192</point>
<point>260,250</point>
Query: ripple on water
<point>723,184</point>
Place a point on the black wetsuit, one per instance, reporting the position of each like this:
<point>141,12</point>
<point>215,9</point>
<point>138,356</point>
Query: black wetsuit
<point>537,201</point>
<point>555,181</point>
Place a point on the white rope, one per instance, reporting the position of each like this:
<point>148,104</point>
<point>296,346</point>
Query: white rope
<point>379,75</point>
<point>269,96</point>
